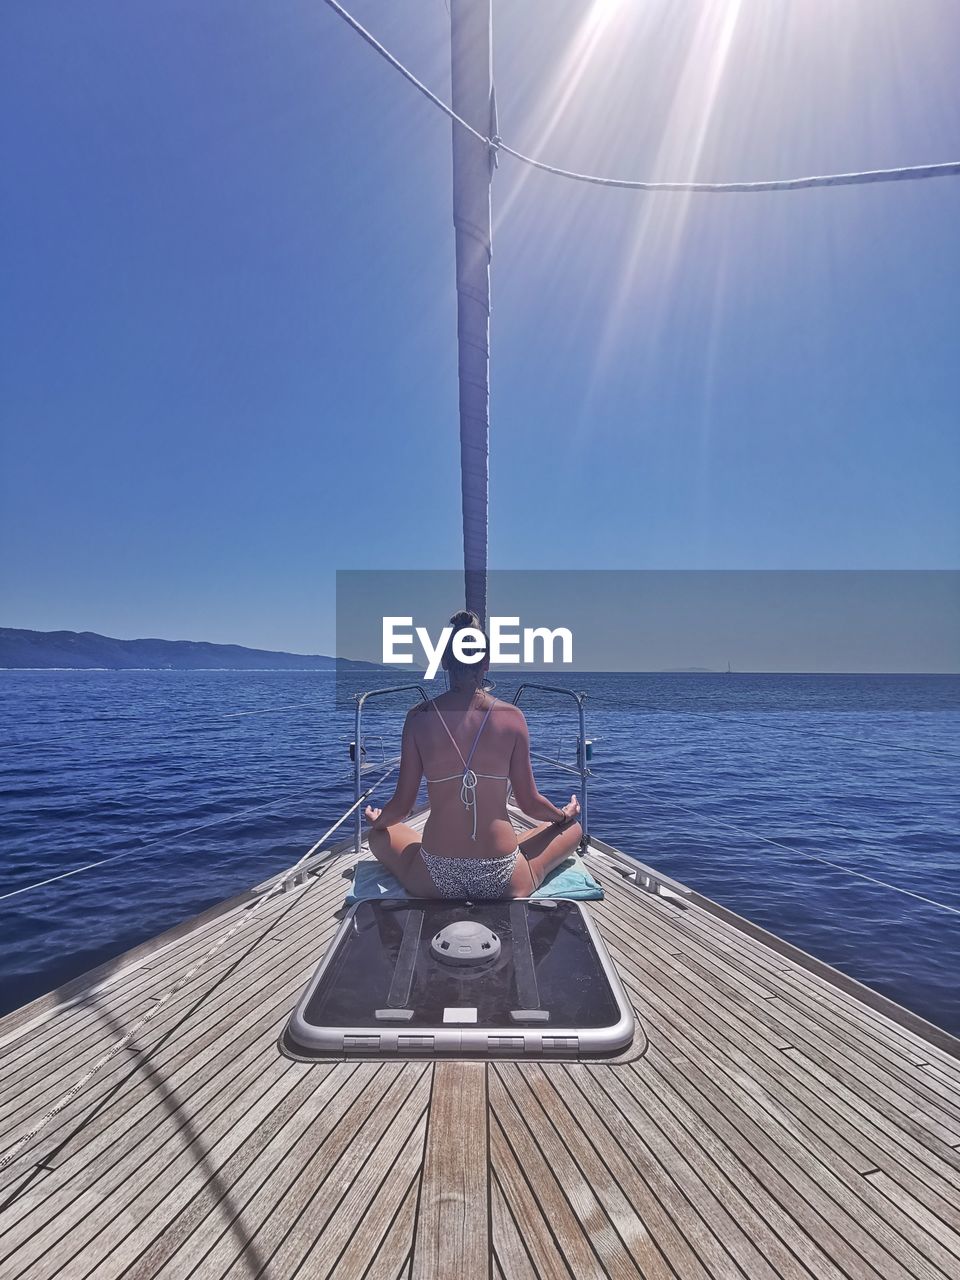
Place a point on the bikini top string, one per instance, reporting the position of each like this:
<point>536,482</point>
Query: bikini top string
<point>468,783</point>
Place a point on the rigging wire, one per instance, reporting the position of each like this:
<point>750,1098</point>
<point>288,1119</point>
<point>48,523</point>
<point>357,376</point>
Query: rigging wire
<point>151,718</point>
<point>904,173</point>
<point>876,840</point>
<point>945,755</point>
<point>266,711</point>
<point>178,835</point>
<point>778,844</point>
<point>937,753</point>
<point>496,144</point>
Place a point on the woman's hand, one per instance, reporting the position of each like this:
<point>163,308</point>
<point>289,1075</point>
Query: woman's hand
<point>571,810</point>
<point>372,814</point>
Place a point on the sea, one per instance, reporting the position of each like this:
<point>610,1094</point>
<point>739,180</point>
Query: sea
<point>823,808</point>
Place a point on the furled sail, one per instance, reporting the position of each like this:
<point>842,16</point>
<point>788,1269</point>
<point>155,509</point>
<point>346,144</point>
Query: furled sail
<point>473,161</point>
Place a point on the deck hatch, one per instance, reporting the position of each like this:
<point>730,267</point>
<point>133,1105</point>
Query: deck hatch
<point>382,988</point>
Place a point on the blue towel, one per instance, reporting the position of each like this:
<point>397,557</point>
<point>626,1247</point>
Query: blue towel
<point>568,880</point>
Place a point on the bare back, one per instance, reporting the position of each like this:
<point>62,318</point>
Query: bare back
<point>449,828</point>
<point>471,748</point>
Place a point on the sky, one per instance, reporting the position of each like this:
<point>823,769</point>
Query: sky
<point>227,338</point>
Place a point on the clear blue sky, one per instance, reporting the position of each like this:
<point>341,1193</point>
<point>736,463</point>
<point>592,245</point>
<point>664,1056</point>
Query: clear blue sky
<point>228,332</point>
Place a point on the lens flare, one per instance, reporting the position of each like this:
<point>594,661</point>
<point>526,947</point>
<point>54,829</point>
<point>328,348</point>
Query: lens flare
<point>583,60</point>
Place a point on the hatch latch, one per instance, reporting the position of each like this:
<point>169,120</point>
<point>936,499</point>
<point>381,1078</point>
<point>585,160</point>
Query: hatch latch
<point>561,1044</point>
<point>361,1044</point>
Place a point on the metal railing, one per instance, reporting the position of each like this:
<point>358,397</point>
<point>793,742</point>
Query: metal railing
<point>581,769</point>
<point>357,748</point>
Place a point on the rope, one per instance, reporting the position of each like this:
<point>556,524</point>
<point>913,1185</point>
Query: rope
<point>905,173</point>
<point>902,174</point>
<point>777,844</point>
<point>132,853</point>
<point>936,752</point>
<point>267,711</point>
<point>195,727</point>
<point>397,65</point>
<point>10,1155</point>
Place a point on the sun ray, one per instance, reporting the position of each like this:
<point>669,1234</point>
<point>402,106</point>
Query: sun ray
<point>552,109</point>
<point>661,226</point>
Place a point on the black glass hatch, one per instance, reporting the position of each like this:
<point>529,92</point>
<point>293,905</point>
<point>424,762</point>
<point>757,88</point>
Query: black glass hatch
<point>524,977</point>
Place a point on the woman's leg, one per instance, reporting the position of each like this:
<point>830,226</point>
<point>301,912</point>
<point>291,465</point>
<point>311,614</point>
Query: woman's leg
<point>398,848</point>
<point>541,849</point>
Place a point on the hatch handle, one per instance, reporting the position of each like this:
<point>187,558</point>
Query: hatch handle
<point>528,992</point>
<point>399,997</point>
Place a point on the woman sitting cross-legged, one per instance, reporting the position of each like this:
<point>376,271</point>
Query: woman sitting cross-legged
<point>471,747</point>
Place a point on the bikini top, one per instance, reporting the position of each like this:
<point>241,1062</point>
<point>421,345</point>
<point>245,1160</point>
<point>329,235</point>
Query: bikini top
<point>468,779</point>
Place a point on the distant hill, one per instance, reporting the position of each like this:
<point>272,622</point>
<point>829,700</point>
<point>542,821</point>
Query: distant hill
<point>85,650</point>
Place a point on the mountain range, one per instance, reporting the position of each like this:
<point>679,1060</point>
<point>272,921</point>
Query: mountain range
<point>85,650</point>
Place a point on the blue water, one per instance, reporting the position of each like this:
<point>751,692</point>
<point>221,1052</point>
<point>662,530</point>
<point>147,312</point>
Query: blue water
<point>859,770</point>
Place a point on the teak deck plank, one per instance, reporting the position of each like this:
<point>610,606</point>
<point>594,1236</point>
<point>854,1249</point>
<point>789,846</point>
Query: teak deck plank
<point>393,1256</point>
<point>808,1144</point>
<point>453,1218</point>
<point>672,1174</point>
<point>97,1025</point>
<point>894,1084</point>
<point>218,1228</point>
<point>853,1040</point>
<point>194,1040</point>
<point>779,1127</point>
<point>735,1182</point>
<point>511,1256</point>
<point>856,1125</point>
<point>574,1185</point>
<point>323,1219</point>
<point>556,1245</point>
<point>881,1035</point>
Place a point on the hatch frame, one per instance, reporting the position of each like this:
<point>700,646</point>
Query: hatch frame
<point>543,1042</point>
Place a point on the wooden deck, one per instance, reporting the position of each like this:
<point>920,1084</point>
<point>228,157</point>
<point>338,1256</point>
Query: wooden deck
<point>780,1123</point>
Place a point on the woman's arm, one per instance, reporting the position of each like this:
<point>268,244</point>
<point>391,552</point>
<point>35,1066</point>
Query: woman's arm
<point>525,787</point>
<point>408,782</point>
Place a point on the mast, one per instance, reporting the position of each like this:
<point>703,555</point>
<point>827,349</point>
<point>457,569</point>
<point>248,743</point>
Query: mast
<point>471,72</point>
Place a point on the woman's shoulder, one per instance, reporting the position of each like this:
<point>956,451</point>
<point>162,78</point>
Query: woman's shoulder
<point>416,721</point>
<point>509,716</point>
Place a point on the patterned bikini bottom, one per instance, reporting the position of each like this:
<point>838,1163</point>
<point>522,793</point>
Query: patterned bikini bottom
<point>471,877</point>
